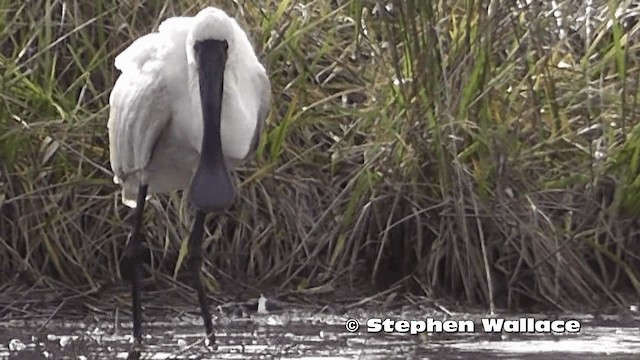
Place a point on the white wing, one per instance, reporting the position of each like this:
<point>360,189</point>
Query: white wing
<point>139,110</point>
<point>250,96</point>
<point>264,103</point>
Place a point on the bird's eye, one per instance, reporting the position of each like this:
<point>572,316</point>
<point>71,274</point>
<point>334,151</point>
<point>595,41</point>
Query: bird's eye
<point>226,45</point>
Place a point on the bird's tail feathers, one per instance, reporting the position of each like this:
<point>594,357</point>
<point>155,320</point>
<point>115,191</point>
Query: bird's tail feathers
<point>130,195</point>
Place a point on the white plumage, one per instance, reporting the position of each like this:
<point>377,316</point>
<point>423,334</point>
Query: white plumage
<point>155,122</point>
<point>189,105</point>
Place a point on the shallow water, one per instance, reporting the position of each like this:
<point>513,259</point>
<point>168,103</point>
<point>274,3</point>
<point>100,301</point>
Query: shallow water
<point>304,335</point>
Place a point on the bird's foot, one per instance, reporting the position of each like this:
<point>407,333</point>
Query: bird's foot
<point>136,350</point>
<point>210,342</point>
<point>133,355</point>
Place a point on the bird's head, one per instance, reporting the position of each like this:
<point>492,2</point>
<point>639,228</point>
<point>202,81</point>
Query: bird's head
<point>209,24</point>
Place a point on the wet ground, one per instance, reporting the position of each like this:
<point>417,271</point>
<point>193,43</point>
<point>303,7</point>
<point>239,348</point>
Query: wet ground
<point>297,334</point>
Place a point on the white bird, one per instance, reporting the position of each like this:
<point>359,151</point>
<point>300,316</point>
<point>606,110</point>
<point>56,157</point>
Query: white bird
<point>189,105</point>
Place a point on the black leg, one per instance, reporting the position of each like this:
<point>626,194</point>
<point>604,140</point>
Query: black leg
<point>134,252</point>
<point>195,263</point>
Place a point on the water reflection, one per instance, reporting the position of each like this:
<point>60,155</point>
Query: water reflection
<point>295,335</point>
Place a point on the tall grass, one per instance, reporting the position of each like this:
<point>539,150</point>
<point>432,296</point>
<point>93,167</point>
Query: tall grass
<point>459,149</point>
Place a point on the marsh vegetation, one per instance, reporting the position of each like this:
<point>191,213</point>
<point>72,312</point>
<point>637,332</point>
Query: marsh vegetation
<point>481,151</point>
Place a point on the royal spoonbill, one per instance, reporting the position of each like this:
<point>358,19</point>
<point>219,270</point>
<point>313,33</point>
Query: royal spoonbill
<point>189,105</point>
